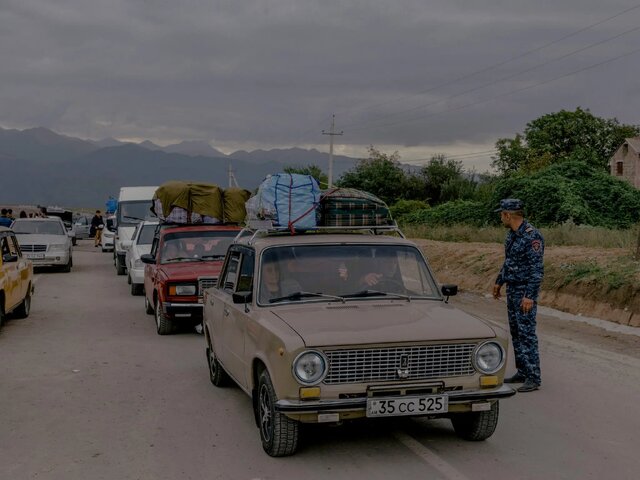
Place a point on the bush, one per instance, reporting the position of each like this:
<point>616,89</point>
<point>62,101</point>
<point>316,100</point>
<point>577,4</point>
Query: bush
<point>404,207</point>
<point>571,191</point>
<point>450,213</point>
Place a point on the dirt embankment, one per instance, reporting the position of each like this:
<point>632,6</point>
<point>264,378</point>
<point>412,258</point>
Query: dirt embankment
<point>600,283</point>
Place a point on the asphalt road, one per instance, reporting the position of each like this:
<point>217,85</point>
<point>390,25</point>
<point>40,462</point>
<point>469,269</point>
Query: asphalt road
<point>88,390</point>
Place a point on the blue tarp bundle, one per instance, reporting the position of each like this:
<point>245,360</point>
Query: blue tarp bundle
<point>288,200</point>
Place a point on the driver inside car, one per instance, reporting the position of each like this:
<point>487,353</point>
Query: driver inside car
<point>385,277</point>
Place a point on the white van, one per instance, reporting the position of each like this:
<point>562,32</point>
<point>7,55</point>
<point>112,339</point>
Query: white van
<point>134,206</point>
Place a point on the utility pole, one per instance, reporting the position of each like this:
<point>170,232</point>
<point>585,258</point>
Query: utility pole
<point>331,134</point>
<point>232,178</point>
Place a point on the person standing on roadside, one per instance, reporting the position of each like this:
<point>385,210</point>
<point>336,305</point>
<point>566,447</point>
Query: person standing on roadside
<point>5,221</point>
<point>522,271</point>
<point>98,224</point>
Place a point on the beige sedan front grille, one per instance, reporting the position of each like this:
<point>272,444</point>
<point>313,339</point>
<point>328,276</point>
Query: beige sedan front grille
<point>408,363</point>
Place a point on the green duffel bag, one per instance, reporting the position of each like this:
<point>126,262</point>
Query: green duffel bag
<point>234,200</point>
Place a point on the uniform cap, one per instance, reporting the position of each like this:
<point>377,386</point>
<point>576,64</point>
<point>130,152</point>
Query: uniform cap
<point>510,205</point>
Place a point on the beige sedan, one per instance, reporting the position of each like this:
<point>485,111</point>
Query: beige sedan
<point>327,327</point>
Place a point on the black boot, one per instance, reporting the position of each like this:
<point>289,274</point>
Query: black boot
<point>529,386</point>
<point>517,378</point>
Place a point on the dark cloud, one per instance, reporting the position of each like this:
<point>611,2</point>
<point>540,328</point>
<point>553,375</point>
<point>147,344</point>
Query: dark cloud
<point>272,72</point>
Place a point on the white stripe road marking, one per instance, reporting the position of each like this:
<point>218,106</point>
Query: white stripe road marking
<point>430,457</point>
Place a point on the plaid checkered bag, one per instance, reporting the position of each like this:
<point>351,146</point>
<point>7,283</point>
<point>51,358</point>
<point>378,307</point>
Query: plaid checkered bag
<point>349,207</point>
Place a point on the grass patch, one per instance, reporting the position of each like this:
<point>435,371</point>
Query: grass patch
<point>567,234</point>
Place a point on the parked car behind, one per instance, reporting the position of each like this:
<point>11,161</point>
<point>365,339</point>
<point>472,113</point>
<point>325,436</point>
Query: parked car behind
<point>327,326</point>
<point>109,235</point>
<point>184,261</point>
<point>45,241</point>
<point>16,277</point>
<point>139,245</point>
<point>82,225</point>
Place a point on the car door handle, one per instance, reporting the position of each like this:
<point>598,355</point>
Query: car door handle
<point>226,311</point>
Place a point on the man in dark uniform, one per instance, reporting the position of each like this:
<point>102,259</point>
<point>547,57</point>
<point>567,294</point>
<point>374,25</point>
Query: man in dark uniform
<point>522,271</point>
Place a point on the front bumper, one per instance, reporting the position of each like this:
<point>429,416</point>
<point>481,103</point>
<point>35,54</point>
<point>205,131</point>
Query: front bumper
<point>51,260</point>
<point>360,404</point>
<point>183,310</point>
<point>137,275</point>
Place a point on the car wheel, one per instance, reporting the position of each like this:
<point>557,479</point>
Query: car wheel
<point>67,267</point>
<point>25,307</point>
<point>120,270</point>
<point>476,426</point>
<point>164,326</point>
<point>279,433</point>
<point>217,375</point>
<point>147,306</point>
<point>137,288</point>
<point>2,314</point>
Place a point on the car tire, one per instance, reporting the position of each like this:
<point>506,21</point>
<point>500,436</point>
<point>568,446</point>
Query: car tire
<point>137,289</point>
<point>120,270</point>
<point>3,317</point>
<point>67,267</point>
<point>217,374</point>
<point>279,433</point>
<point>24,308</point>
<point>476,426</point>
<point>164,326</point>
<point>148,309</point>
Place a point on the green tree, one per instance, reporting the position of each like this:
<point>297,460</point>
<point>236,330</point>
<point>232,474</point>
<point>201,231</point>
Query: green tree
<point>380,174</point>
<point>446,180</point>
<point>560,137</point>
<point>313,170</point>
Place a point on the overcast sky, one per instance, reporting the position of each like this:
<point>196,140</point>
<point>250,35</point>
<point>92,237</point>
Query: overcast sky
<point>420,77</point>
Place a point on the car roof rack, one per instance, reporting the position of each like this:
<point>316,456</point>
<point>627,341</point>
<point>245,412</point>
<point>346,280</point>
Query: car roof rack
<point>265,228</point>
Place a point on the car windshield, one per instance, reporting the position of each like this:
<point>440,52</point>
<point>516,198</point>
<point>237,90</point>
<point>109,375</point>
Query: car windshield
<point>37,227</point>
<point>132,213</point>
<point>196,246</point>
<point>146,235</point>
<point>343,272</point>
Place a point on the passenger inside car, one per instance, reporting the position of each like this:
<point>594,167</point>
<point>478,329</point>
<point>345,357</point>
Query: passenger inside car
<point>276,281</point>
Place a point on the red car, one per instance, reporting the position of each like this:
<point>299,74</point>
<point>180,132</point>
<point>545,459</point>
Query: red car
<point>184,261</point>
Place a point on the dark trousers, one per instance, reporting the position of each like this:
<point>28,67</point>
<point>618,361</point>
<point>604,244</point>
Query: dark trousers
<point>523,334</point>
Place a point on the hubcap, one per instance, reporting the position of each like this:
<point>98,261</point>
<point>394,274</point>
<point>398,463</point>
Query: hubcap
<point>212,363</point>
<point>158,307</point>
<point>27,304</point>
<point>265,413</point>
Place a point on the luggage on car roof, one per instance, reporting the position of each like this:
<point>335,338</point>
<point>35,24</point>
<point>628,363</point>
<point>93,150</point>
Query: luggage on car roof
<point>286,199</point>
<point>349,207</point>
<point>188,202</point>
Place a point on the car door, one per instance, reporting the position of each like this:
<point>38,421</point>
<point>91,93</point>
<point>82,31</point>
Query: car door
<point>23,268</point>
<point>232,317</point>
<point>150,270</point>
<point>10,267</point>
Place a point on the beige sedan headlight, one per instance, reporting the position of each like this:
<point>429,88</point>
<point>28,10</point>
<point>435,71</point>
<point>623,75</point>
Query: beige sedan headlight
<point>310,367</point>
<point>489,357</point>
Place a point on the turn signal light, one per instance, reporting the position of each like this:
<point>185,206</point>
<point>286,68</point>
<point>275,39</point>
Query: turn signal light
<point>308,393</point>
<point>489,381</point>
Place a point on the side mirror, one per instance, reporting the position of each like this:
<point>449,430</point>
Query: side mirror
<point>449,291</point>
<point>148,258</point>
<point>8,258</point>
<point>242,297</point>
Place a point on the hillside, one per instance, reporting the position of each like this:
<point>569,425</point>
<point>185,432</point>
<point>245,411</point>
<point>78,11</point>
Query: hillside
<point>595,282</point>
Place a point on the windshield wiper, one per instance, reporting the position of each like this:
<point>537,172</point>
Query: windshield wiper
<point>196,259</point>
<point>215,257</point>
<point>377,293</point>
<point>300,295</point>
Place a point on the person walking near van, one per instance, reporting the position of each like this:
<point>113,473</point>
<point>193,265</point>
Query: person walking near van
<point>522,271</point>
<point>98,224</point>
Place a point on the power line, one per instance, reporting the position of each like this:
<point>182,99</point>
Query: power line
<point>461,107</point>
<point>493,82</point>
<point>499,64</point>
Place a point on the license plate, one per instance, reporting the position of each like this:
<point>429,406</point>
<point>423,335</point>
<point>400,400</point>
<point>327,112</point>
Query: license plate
<point>413,405</point>
<point>34,255</point>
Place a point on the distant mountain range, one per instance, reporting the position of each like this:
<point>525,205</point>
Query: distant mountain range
<point>40,166</point>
